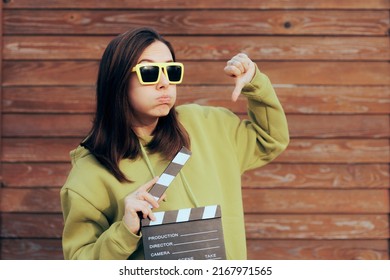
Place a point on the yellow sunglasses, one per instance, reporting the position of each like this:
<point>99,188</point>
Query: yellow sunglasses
<point>150,73</point>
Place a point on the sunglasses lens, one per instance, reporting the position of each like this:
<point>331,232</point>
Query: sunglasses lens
<point>149,73</point>
<point>174,73</point>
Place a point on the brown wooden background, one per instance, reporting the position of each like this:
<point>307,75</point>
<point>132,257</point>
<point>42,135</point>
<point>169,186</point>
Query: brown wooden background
<point>326,197</point>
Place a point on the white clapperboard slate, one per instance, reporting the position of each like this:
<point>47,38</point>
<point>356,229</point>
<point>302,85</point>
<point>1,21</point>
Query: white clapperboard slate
<point>191,233</point>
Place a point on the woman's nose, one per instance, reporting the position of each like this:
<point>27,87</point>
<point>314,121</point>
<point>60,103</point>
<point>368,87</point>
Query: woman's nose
<point>163,82</point>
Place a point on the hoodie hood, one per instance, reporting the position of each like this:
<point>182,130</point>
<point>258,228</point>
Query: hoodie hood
<point>79,153</point>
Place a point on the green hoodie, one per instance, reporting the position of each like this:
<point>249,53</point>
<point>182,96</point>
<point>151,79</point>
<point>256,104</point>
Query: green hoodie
<point>223,147</point>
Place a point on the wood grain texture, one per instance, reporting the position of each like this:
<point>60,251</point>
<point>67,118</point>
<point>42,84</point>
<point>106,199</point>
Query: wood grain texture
<point>30,249</point>
<point>58,125</point>
<point>316,201</point>
<point>84,73</point>
<point>314,176</point>
<point>326,197</point>
<point>32,225</point>
<point>199,4</point>
<point>30,200</point>
<point>309,226</point>
<point>339,126</point>
<point>207,47</point>
<point>264,226</point>
<point>317,249</point>
<point>38,149</point>
<point>298,151</point>
<point>1,88</point>
<point>205,22</point>
<point>285,201</point>
<point>262,229</point>
<point>49,99</point>
<point>35,175</point>
<point>300,126</point>
<point>336,151</point>
<point>273,175</point>
<point>295,99</point>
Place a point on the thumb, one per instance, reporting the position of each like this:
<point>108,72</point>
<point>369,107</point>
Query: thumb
<point>237,90</point>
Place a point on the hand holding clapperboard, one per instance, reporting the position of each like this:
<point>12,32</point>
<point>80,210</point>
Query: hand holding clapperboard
<point>184,234</point>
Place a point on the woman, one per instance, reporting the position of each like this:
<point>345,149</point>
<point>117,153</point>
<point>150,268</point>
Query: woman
<point>136,132</point>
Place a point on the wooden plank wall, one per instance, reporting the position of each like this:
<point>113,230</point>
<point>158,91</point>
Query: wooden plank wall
<point>326,197</point>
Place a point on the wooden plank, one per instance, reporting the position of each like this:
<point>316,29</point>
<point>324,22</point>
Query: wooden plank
<point>316,227</point>
<point>201,4</point>
<point>335,100</point>
<point>31,249</point>
<point>298,151</point>
<point>306,201</point>
<point>282,226</point>
<point>317,249</point>
<point>273,175</point>
<point>198,4</point>
<point>333,176</point>
<point>1,92</point>
<point>316,201</point>
<point>50,73</point>
<point>31,200</point>
<point>55,47</point>
<point>49,99</point>
<point>300,126</point>
<point>31,225</point>
<point>282,47</point>
<point>38,150</point>
<point>84,73</point>
<point>48,175</point>
<point>336,151</point>
<point>295,99</point>
<point>47,125</point>
<point>200,22</point>
<point>337,126</point>
<point>207,47</point>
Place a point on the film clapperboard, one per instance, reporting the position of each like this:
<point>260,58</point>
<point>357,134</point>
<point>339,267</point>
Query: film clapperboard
<point>191,233</point>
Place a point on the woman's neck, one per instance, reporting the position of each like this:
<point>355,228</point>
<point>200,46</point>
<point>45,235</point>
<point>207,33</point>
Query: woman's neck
<point>145,130</point>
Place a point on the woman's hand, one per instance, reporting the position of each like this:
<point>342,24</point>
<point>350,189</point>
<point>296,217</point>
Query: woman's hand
<point>242,68</point>
<point>140,201</point>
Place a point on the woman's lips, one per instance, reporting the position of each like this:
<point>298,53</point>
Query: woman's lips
<point>164,99</point>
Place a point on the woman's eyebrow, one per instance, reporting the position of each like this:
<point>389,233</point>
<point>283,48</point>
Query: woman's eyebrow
<point>151,60</point>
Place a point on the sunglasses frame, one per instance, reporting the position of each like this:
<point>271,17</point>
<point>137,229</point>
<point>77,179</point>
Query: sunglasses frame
<point>162,67</point>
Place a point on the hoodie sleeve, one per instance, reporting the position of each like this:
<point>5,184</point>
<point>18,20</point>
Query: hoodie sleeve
<point>88,234</point>
<point>262,138</point>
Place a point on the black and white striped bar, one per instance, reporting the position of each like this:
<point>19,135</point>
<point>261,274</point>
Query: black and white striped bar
<point>184,215</point>
<point>170,173</point>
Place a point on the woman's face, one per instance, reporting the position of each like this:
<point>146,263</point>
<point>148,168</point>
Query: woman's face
<point>152,101</point>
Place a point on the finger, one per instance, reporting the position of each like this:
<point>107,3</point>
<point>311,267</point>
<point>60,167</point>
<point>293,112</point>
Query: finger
<point>242,56</point>
<point>236,63</point>
<point>146,210</point>
<point>147,197</point>
<point>232,71</point>
<point>148,185</point>
<point>245,61</point>
<point>150,215</point>
<point>163,197</point>
<point>151,200</point>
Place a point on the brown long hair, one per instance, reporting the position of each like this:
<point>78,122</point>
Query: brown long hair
<point>112,138</point>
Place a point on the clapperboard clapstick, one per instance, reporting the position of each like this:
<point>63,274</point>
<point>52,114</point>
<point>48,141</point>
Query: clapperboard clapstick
<point>170,173</point>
